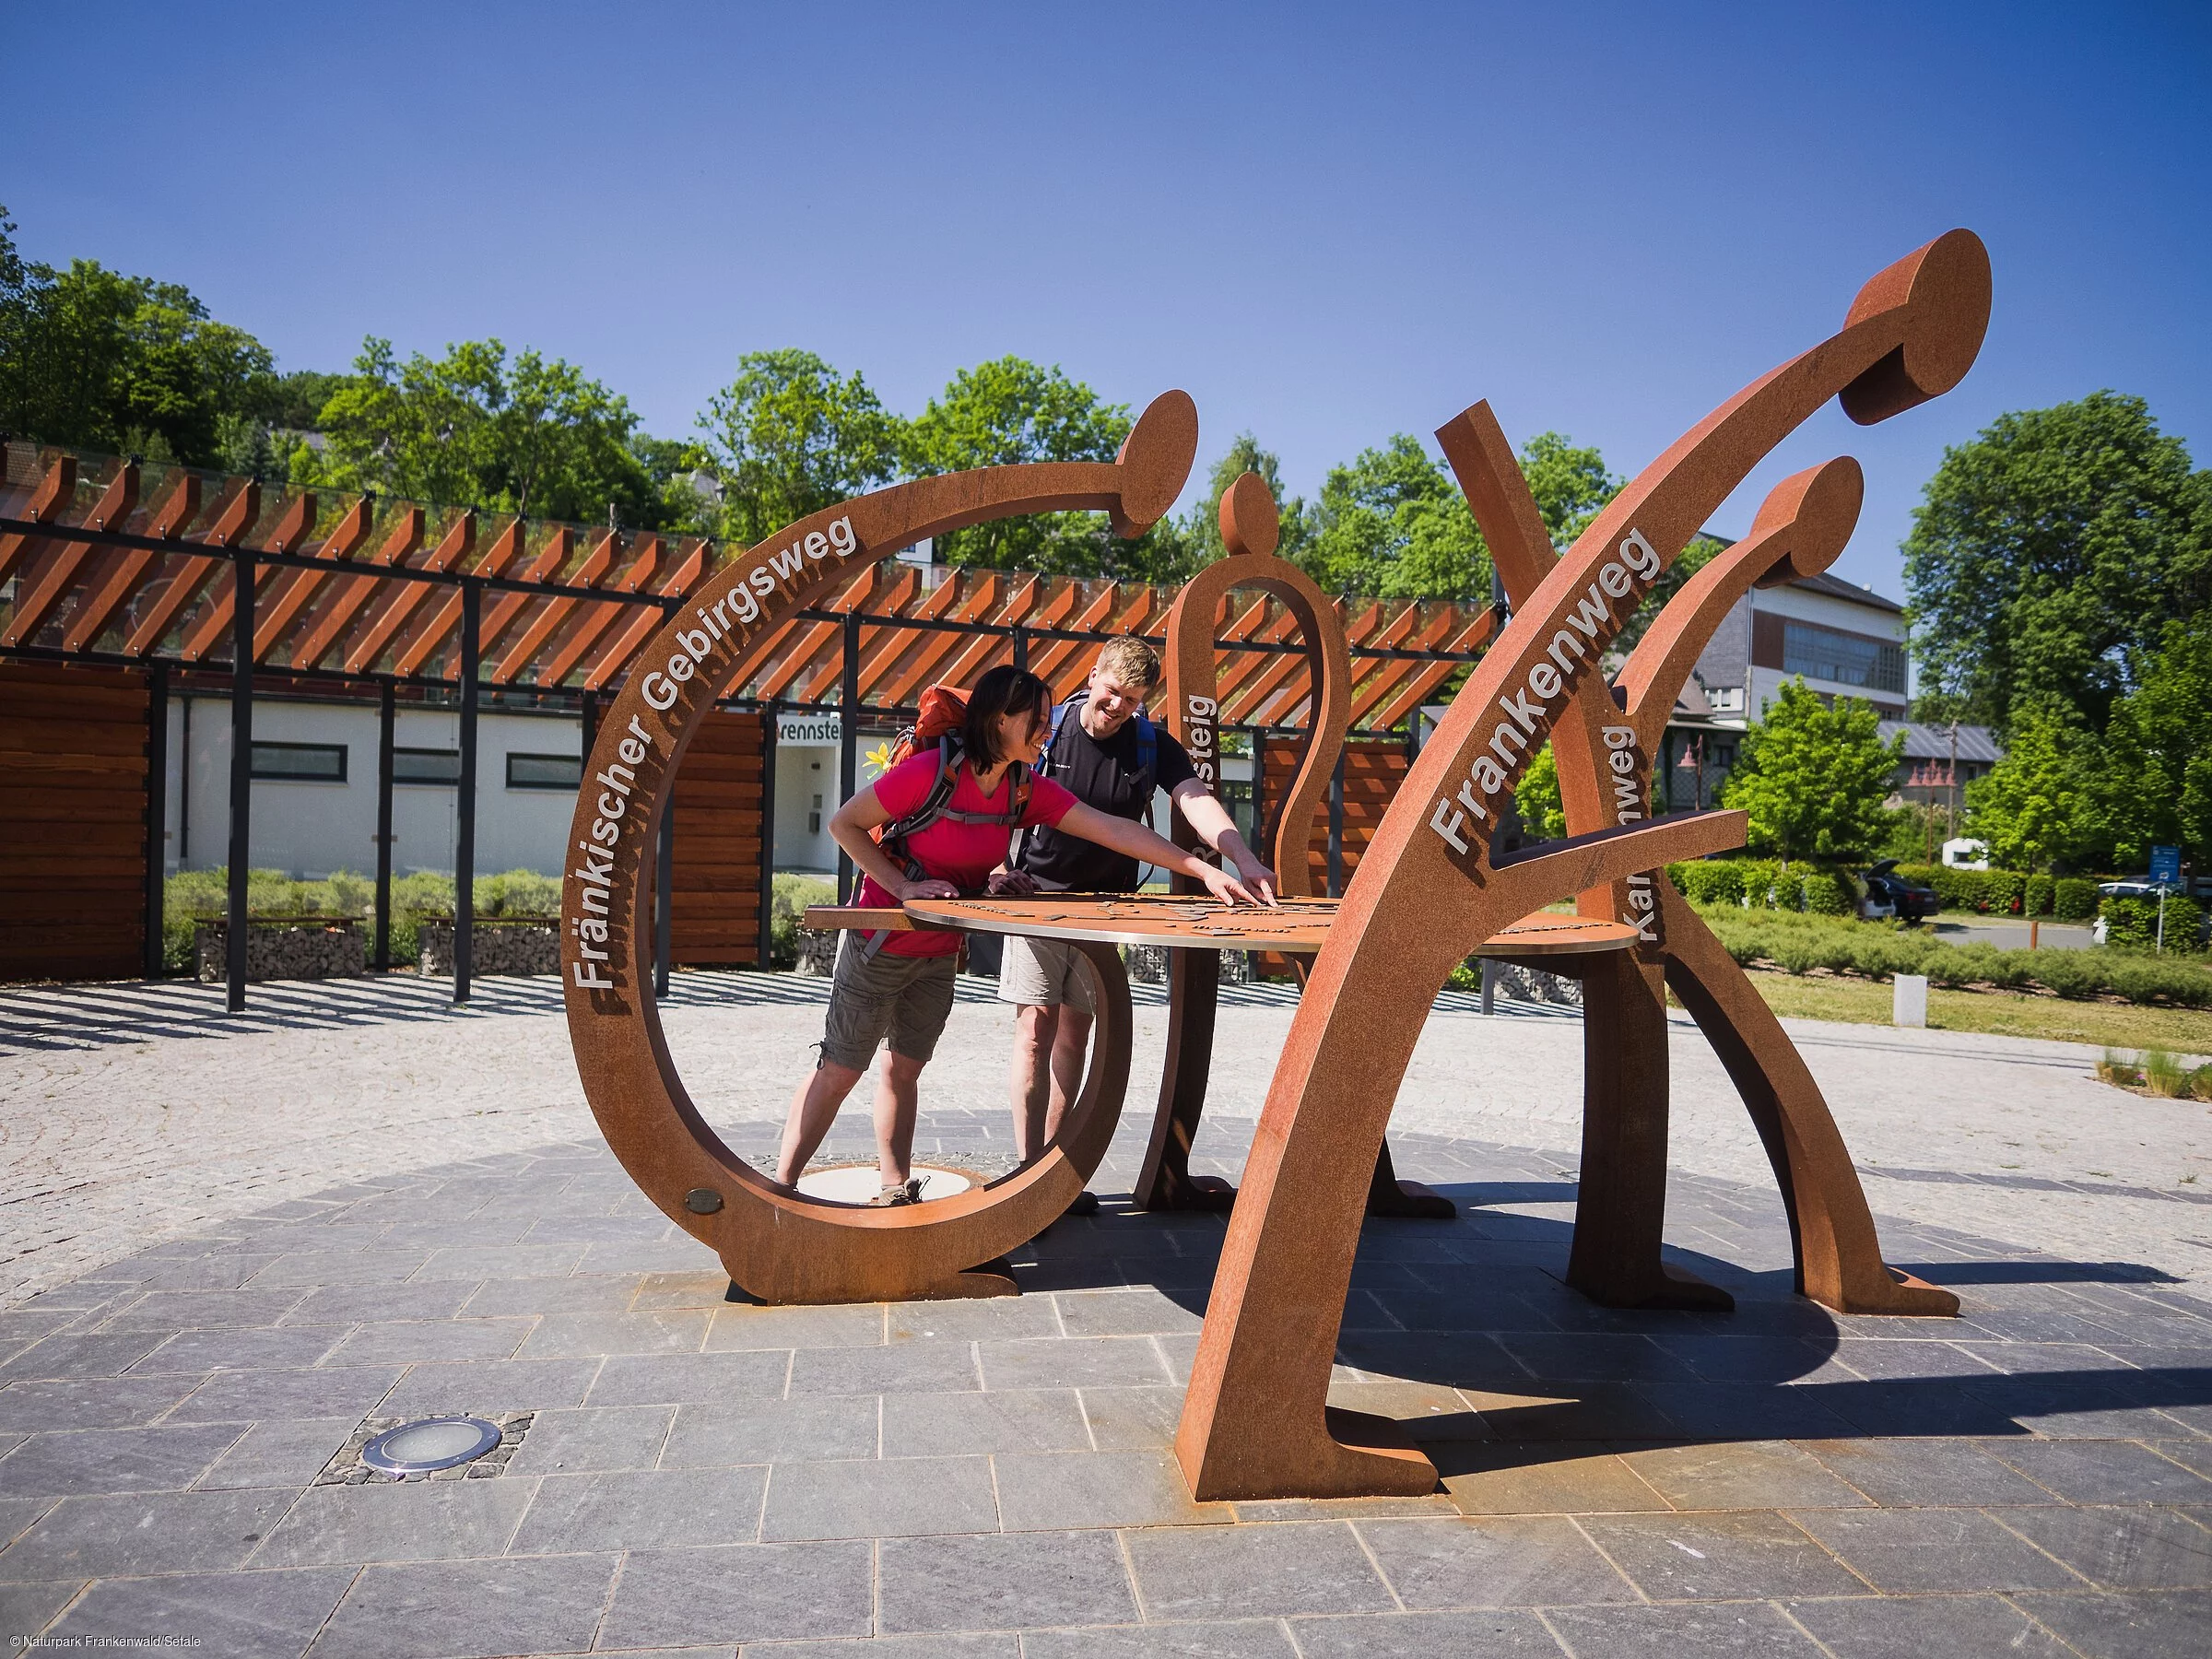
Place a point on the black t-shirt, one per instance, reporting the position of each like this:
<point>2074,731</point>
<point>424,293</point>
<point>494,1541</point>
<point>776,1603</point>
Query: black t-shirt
<point>1108,778</point>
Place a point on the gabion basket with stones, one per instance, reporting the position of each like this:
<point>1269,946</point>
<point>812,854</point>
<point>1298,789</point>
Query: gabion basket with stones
<point>309,947</point>
<point>494,948</point>
<point>1534,986</point>
<point>1147,965</point>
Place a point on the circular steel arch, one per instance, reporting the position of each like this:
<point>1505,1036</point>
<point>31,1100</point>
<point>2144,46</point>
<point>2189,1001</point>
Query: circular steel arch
<point>775,1243</point>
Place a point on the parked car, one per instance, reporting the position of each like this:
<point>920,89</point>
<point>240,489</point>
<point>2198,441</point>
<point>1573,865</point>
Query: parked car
<point>1889,894</point>
<point>2135,887</point>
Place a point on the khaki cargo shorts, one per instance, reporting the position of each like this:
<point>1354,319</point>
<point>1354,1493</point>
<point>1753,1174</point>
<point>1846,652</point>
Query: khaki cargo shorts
<point>906,998</point>
<point>1043,973</point>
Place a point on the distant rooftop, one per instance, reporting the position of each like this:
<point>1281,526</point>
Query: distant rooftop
<point>1840,589</point>
<point>1926,742</point>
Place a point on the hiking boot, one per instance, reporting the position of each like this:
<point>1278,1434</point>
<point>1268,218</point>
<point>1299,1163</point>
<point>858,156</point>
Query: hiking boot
<point>1086,1204</point>
<point>907,1192</point>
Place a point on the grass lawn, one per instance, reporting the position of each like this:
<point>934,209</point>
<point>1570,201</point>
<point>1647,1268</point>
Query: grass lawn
<point>2007,1013</point>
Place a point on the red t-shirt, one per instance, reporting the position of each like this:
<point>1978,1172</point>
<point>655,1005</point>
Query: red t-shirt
<point>964,855</point>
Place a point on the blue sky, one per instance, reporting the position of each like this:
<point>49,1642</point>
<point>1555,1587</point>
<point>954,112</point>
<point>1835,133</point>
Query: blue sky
<point>1327,224</point>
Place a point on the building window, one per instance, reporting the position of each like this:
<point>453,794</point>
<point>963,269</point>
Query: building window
<point>1846,659</point>
<point>544,772</point>
<point>299,762</point>
<point>425,765</point>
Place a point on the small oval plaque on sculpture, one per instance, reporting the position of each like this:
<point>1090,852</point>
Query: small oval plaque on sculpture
<point>702,1201</point>
<point>433,1443</point>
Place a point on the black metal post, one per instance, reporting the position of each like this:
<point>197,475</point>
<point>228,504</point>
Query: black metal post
<point>241,771</point>
<point>464,837</point>
<point>184,785</point>
<point>1021,647</point>
<point>848,744</point>
<point>591,725</point>
<point>664,897</point>
<point>1336,829</point>
<point>157,810</point>
<point>387,714</point>
<point>768,837</point>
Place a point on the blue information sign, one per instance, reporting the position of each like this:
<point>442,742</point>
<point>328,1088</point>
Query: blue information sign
<point>2165,866</point>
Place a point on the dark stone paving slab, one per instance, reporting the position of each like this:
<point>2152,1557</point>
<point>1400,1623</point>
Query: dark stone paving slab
<point>995,1480</point>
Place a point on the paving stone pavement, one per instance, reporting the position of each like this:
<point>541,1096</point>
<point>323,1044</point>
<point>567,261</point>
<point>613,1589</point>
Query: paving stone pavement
<point>994,1478</point>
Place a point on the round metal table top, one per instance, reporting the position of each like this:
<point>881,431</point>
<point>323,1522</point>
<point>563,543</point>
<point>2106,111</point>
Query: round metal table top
<point>1296,925</point>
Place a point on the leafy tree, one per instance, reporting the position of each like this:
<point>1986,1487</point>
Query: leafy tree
<point>1010,411</point>
<point>790,436</point>
<point>1570,485</point>
<point>2033,806</point>
<point>1392,523</point>
<point>96,360</point>
<point>2153,783</point>
<point>1813,776</point>
<point>296,401</point>
<point>1175,549</point>
<point>1543,810</point>
<point>2049,553</point>
<point>532,437</point>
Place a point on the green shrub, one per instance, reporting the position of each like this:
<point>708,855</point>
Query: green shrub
<point>519,893</point>
<point>2160,980</point>
<point>193,894</point>
<point>2003,891</point>
<point>2136,922</point>
<point>790,899</point>
<point>2039,890</point>
<point>1761,877</point>
<point>1828,892</point>
<point>2074,899</point>
<point>1708,880</point>
<point>2117,1068</point>
<point>2163,1075</point>
<point>2076,975</point>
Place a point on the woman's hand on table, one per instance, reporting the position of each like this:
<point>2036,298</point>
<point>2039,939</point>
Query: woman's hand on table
<point>929,887</point>
<point>1011,884</point>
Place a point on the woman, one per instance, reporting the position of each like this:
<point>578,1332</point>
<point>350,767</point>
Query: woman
<point>902,988</point>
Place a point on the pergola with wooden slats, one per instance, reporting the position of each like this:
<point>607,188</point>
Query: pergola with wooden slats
<point>158,569</point>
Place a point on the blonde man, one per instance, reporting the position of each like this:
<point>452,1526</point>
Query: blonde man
<point>1105,753</point>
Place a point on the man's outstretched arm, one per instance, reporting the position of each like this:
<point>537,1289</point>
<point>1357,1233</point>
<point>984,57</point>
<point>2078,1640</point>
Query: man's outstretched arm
<point>1204,813</point>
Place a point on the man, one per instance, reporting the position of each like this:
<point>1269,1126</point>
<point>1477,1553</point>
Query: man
<point>1099,755</point>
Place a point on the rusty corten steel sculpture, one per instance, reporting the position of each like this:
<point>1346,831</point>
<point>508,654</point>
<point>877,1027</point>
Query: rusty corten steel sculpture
<point>1255,1421</point>
<point>1250,528</point>
<point>776,1244</point>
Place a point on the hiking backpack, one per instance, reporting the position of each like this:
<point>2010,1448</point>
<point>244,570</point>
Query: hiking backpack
<point>939,722</point>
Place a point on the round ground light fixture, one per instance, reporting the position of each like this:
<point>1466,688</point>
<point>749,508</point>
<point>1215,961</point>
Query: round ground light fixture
<point>432,1443</point>
<point>858,1183</point>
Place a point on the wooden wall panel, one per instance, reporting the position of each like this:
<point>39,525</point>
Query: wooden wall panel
<point>1372,772</point>
<point>715,889</point>
<point>73,748</point>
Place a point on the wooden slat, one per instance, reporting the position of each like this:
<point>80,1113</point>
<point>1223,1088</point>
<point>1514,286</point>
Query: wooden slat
<point>211,625</point>
<point>299,587</point>
<point>121,582</point>
<point>188,577</point>
<point>58,576</point>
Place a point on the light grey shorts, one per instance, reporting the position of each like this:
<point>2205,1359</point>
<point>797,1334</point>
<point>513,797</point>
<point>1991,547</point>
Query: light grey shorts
<point>1043,973</point>
<point>904,997</point>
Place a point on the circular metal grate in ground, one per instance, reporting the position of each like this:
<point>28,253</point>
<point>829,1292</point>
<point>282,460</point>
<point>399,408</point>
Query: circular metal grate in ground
<point>433,1443</point>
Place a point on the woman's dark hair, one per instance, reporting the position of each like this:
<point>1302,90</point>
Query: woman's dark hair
<point>1003,690</point>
